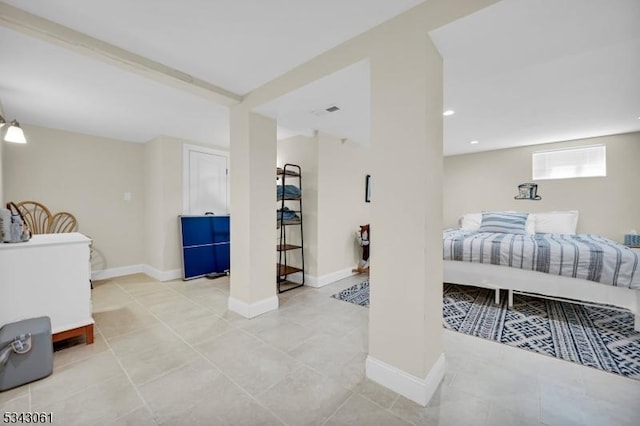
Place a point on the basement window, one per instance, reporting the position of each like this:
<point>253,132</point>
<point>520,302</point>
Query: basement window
<point>587,161</point>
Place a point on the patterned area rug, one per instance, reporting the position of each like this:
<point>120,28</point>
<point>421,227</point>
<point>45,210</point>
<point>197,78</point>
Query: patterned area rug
<point>596,337</point>
<point>358,294</point>
<point>593,336</point>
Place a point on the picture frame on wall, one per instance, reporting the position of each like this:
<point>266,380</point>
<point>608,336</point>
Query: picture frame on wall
<point>367,189</point>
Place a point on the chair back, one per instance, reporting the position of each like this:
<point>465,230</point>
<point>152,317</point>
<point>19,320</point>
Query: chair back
<point>36,215</point>
<point>63,222</point>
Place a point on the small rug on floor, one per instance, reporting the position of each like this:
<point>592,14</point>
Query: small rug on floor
<point>596,337</point>
<point>358,294</point>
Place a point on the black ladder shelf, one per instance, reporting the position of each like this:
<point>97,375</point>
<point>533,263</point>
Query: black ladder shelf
<point>291,239</point>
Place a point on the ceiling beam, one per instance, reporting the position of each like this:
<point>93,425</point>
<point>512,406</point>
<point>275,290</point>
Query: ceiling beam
<point>33,25</point>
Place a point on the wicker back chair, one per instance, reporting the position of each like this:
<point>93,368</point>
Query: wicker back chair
<point>63,222</point>
<point>37,216</point>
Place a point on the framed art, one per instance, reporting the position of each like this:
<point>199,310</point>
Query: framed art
<point>367,189</point>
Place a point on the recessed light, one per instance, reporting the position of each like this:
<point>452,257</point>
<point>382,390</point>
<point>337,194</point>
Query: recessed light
<point>474,142</point>
<point>448,112</point>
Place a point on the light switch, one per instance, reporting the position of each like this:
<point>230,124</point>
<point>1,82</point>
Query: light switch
<point>127,196</point>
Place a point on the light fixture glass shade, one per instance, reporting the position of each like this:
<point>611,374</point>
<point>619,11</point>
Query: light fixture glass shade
<point>2,122</point>
<point>15,133</point>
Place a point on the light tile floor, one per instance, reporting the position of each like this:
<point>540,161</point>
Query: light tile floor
<point>171,353</point>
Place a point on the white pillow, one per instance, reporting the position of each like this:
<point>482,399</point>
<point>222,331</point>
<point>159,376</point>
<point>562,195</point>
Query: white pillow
<point>530,225</point>
<point>556,222</point>
<point>470,221</point>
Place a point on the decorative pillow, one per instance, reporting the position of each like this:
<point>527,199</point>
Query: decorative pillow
<point>506,223</point>
<point>470,221</point>
<point>557,222</point>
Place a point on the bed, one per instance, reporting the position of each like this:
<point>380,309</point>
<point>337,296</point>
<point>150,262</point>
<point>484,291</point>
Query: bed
<point>517,256</point>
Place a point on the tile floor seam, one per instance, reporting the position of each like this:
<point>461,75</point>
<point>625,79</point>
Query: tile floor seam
<point>388,410</point>
<point>315,370</point>
<point>222,373</point>
<point>215,367</point>
<point>266,342</point>
<point>132,411</point>
<point>302,343</point>
<point>135,388</point>
<point>337,409</point>
<point>84,389</point>
<point>182,295</point>
<point>270,387</point>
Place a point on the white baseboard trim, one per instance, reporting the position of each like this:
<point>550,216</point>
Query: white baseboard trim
<point>159,275</point>
<point>104,274</point>
<point>297,278</point>
<point>412,387</point>
<point>254,309</point>
<point>326,279</point>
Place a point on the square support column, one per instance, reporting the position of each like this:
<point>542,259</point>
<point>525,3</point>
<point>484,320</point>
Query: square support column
<point>405,326</point>
<point>253,213</point>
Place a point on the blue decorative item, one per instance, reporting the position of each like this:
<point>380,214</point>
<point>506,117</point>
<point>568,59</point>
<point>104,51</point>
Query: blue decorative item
<point>632,240</point>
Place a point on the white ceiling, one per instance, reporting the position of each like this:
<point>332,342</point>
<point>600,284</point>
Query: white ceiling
<point>304,110</point>
<point>524,72</point>
<point>50,86</point>
<point>517,73</point>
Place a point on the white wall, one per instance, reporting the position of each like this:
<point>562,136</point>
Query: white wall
<point>86,176</point>
<point>163,199</point>
<point>333,186</point>
<point>608,206</point>
<point>343,167</point>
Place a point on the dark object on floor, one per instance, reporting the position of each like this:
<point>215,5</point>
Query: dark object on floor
<point>215,275</point>
<point>26,352</point>
<point>363,239</point>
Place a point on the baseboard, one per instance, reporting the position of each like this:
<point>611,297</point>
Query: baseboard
<point>104,274</point>
<point>172,274</point>
<point>254,309</point>
<point>326,279</point>
<point>159,275</point>
<point>414,388</point>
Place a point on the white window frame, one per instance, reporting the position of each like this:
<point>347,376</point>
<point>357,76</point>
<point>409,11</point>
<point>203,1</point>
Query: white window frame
<point>580,169</point>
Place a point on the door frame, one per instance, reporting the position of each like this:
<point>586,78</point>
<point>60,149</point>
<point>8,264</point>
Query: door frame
<point>186,172</point>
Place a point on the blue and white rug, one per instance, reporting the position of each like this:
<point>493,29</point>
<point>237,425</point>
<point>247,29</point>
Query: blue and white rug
<point>358,294</point>
<point>593,336</point>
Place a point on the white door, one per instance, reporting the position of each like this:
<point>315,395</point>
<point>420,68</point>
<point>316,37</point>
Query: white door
<point>207,186</point>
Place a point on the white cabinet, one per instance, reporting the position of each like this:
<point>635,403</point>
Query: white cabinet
<point>48,276</point>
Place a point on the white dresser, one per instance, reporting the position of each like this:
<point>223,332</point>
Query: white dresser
<point>48,276</point>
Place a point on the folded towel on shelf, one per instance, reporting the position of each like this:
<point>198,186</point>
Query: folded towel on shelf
<point>287,214</point>
<point>289,192</point>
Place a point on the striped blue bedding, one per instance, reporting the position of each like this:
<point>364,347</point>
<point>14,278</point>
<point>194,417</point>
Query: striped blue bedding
<point>585,256</point>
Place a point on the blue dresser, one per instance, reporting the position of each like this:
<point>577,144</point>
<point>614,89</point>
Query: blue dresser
<point>205,245</point>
